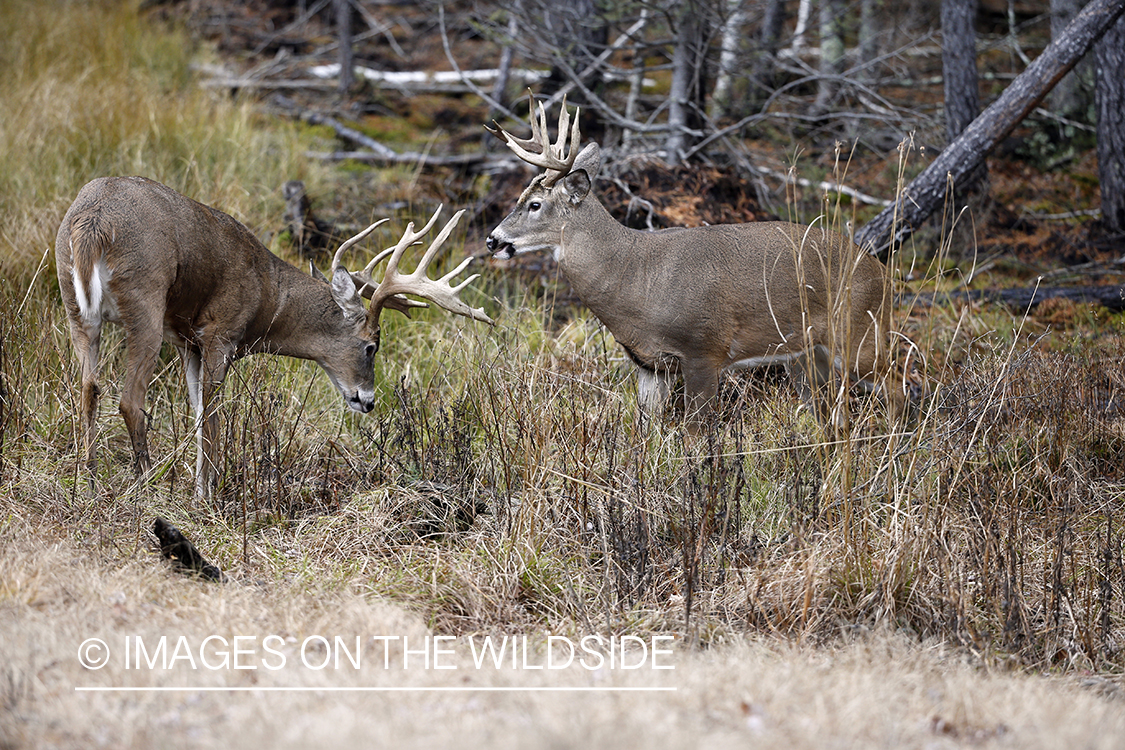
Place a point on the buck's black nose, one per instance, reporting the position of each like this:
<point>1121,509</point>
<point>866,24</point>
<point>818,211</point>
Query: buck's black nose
<point>492,243</point>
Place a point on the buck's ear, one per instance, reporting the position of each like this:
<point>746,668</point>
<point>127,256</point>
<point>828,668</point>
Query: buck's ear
<point>316,273</point>
<point>577,186</point>
<point>581,176</point>
<point>589,160</point>
<point>347,296</point>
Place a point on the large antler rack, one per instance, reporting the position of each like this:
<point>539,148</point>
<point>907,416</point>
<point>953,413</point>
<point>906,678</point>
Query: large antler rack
<point>538,151</point>
<point>402,304</point>
<point>440,291</point>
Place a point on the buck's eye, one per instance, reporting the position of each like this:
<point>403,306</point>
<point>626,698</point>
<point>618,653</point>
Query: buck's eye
<point>534,205</point>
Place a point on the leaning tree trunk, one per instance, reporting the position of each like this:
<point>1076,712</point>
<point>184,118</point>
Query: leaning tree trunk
<point>729,42</point>
<point>1110,96</point>
<point>765,62</point>
<point>927,191</point>
<point>869,28</point>
<point>804,11</point>
<point>504,68</point>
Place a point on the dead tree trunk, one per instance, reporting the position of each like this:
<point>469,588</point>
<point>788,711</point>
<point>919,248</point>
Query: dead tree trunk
<point>1067,98</point>
<point>765,62</point>
<point>1110,97</point>
<point>344,36</point>
<point>730,39</point>
<point>687,60</point>
<point>928,190</point>
<point>500,90</point>
<point>959,74</point>
<point>831,53</point>
<point>869,28</point>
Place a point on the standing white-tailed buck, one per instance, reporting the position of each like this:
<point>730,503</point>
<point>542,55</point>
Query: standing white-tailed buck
<point>695,301</point>
<point>164,267</point>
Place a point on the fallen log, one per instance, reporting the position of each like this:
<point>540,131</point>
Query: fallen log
<point>431,82</point>
<point>410,157</point>
<point>376,151</point>
<point>1111,296</point>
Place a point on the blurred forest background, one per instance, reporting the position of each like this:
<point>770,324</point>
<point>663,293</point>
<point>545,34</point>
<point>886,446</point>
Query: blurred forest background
<point>726,98</point>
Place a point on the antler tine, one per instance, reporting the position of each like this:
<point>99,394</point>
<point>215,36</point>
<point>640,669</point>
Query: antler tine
<point>363,280</point>
<point>439,291</point>
<point>409,237</point>
<point>369,285</point>
<point>349,243</point>
<point>564,126</point>
<point>564,141</point>
<point>533,146</point>
<point>538,151</point>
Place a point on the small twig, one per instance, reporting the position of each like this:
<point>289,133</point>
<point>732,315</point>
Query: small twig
<point>380,28</point>
<point>489,100</point>
<point>312,11</point>
<point>1047,114</point>
<point>824,185</point>
<point>618,43</point>
<point>1064,216</point>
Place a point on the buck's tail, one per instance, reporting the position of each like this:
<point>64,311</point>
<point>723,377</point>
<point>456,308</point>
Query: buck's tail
<point>89,242</point>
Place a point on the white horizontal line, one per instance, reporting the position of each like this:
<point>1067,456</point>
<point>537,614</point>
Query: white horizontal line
<point>283,689</point>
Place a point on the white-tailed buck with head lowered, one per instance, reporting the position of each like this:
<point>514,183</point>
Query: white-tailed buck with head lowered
<point>164,267</point>
<point>695,301</point>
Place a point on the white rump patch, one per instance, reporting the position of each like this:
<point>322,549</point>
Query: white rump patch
<point>96,303</point>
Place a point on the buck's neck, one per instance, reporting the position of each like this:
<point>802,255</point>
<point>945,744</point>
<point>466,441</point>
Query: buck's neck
<point>296,315</point>
<point>603,262</point>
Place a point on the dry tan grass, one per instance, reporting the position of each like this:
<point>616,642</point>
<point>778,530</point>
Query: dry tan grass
<point>873,691</point>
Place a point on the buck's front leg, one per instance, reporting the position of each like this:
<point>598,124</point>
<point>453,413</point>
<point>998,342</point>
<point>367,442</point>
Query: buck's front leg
<point>652,390</point>
<point>817,382</point>
<point>701,386</point>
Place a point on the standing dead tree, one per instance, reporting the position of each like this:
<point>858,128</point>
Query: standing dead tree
<point>928,190</point>
<point>1110,97</point>
<point>959,74</point>
<point>344,35</point>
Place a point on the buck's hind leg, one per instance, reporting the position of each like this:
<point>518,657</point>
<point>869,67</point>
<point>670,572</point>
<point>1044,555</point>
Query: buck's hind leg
<point>87,342</point>
<point>213,363</point>
<point>192,363</point>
